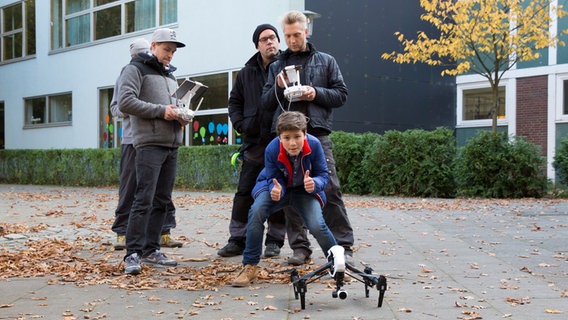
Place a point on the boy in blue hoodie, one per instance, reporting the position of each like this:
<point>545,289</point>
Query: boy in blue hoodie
<point>295,174</point>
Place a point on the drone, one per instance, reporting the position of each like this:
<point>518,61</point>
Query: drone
<point>337,268</point>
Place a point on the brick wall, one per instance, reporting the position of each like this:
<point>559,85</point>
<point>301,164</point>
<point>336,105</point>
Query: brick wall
<point>532,110</point>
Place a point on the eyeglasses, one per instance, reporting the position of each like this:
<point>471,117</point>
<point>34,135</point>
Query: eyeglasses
<point>263,40</point>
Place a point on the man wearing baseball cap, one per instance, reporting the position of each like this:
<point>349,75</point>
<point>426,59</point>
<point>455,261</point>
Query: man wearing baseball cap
<point>145,91</point>
<point>127,188</point>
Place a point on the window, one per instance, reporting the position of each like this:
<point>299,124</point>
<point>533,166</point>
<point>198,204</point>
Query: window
<point>109,136</point>
<point>478,103</point>
<point>76,22</point>
<point>211,123</point>
<point>2,124</point>
<point>565,100</point>
<point>48,110</point>
<point>209,127</point>
<point>562,97</point>
<point>17,26</point>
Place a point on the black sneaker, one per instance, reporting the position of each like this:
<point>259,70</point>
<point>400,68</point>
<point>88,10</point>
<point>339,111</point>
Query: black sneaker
<point>160,259</point>
<point>132,264</point>
<point>271,250</point>
<point>230,250</point>
<point>298,259</point>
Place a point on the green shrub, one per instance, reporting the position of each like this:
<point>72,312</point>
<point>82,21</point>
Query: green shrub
<point>561,162</point>
<point>207,168</point>
<point>412,163</point>
<point>349,149</point>
<point>71,167</point>
<point>492,166</point>
<point>203,167</point>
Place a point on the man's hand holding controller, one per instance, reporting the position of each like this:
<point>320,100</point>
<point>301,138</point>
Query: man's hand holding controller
<point>298,91</point>
<point>182,115</point>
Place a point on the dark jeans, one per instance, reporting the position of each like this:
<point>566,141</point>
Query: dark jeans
<point>253,163</point>
<point>126,193</point>
<point>155,176</point>
<point>334,211</point>
<point>307,206</point>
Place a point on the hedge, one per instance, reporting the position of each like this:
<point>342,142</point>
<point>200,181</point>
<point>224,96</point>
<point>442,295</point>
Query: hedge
<point>415,163</point>
<point>203,167</point>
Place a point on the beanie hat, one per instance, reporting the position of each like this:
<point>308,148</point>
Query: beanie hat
<point>138,46</point>
<point>259,30</point>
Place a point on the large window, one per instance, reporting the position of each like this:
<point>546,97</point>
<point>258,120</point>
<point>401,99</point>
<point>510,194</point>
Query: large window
<point>48,110</point>
<point>81,21</point>
<point>210,126</point>
<point>478,104</point>
<point>109,137</point>
<point>17,30</point>
<point>211,123</point>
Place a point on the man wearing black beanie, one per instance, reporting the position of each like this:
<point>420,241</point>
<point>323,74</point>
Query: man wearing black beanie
<point>260,29</point>
<point>254,124</point>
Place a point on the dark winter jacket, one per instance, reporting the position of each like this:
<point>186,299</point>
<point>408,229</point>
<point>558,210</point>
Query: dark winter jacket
<point>277,165</point>
<point>145,88</point>
<point>245,111</point>
<point>321,72</point>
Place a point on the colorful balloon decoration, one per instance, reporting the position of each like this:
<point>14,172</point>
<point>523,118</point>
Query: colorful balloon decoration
<point>195,129</point>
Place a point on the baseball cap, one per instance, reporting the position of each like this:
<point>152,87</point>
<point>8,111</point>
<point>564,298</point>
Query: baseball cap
<point>139,45</point>
<point>166,35</point>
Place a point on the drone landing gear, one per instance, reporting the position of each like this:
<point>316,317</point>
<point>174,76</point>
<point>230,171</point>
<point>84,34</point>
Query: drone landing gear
<point>366,277</point>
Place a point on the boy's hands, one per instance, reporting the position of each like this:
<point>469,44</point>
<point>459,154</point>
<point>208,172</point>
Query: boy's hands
<point>276,191</point>
<point>309,184</point>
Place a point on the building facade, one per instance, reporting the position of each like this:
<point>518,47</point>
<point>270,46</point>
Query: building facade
<point>60,59</point>
<point>533,100</point>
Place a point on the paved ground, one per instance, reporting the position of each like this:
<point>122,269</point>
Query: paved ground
<point>443,258</point>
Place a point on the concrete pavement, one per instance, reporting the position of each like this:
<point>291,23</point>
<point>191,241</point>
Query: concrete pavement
<point>443,259</point>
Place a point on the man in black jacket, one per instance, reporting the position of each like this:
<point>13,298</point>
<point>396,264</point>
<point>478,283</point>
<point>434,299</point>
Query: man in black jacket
<point>324,91</point>
<point>254,124</point>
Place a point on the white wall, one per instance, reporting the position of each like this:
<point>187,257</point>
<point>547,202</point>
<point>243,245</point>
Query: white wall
<point>218,34</point>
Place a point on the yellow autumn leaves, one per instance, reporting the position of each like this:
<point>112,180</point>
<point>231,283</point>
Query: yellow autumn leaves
<point>480,36</point>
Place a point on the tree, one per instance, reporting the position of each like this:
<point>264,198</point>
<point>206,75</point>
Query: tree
<point>485,37</point>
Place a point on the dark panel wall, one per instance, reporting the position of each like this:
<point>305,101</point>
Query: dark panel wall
<point>382,95</point>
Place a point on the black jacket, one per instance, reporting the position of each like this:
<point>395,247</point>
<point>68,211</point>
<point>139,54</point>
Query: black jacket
<point>320,71</point>
<point>245,111</point>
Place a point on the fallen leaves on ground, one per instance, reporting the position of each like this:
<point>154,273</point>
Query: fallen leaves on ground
<point>553,311</point>
<point>84,262</point>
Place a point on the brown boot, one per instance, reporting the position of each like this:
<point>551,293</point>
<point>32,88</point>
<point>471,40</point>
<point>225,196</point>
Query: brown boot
<point>120,243</point>
<point>167,241</point>
<point>246,276</point>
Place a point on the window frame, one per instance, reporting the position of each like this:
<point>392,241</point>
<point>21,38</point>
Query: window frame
<point>561,117</point>
<point>60,18</point>
<point>106,119</point>
<point>25,32</point>
<point>462,88</point>
<point>47,112</point>
<point>224,110</point>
